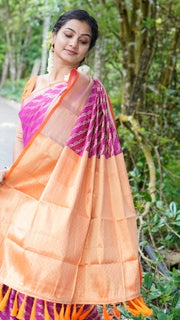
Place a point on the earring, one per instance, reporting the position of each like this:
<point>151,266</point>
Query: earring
<point>51,59</point>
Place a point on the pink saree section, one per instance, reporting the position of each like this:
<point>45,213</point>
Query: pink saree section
<point>94,131</point>
<point>70,235</point>
<point>34,110</point>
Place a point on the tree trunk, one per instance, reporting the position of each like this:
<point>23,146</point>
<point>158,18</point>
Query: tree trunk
<point>11,49</point>
<point>98,61</point>
<point>137,58</point>
<point>35,69</point>
<point>25,45</point>
<point>46,25</point>
<point>146,148</point>
<point>166,77</point>
<point>12,68</point>
<point>5,69</point>
<point>18,57</point>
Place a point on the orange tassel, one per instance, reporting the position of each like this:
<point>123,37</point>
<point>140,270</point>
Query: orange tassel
<point>61,315</point>
<point>1,294</point>
<point>140,305</point>
<point>106,314</point>
<point>21,310</point>
<point>85,314</point>
<point>76,315</point>
<point>116,311</point>
<point>5,300</point>
<point>46,313</point>
<point>15,306</point>
<point>73,316</point>
<point>67,312</point>
<point>137,306</point>
<point>56,316</point>
<point>33,310</point>
<point>131,310</point>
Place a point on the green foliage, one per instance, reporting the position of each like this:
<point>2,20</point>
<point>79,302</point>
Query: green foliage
<point>161,295</point>
<point>13,91</point>
<point>171,181</point>
<point>166,220</point>
<point>18,17</point>
<point>163,226</point>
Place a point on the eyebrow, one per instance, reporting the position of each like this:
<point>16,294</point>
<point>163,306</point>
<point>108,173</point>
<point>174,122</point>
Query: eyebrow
<point>83,34</point>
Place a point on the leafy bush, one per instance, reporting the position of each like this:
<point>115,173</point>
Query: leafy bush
<point>166,221</point>
<point>13,90</point>
<point>162,295</point>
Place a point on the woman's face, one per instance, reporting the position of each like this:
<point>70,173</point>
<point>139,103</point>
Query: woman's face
<point>71,43</point>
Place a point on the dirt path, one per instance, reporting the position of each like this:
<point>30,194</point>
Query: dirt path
<point>9,103</point>
<point>8,123</point>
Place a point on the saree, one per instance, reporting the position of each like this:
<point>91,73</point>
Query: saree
<point>69,236</point>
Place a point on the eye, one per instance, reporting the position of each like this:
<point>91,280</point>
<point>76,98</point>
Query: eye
<point>83,42</point>
<point>68,35</point>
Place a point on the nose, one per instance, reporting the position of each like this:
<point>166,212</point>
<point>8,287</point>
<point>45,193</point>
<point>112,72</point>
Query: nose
<point>74,42</point>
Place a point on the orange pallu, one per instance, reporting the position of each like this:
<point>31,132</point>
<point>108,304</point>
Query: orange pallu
<point>67,222</point>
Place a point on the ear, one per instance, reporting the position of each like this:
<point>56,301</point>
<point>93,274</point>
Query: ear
<point>53,38</point>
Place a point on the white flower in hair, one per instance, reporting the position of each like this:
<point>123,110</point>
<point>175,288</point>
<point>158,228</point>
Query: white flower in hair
<point>84,68</point>
<point>66,77</point>
<point>50,61</point>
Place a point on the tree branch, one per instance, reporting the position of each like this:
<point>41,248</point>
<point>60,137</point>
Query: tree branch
<point>146,150</point>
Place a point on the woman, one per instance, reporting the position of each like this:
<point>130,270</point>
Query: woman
<point>67,221</point>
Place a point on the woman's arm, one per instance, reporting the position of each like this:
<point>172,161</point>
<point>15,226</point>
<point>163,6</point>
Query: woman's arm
<point>18,143</point>
<point>3,174</point>
<point>18,148</point>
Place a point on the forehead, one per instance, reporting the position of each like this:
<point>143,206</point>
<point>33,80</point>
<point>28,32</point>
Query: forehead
<point>80,27</point>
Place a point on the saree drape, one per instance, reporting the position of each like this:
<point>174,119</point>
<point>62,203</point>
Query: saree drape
<point>67,221</point>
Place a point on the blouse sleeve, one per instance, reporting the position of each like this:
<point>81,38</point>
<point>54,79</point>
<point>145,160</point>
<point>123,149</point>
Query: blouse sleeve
<point>30,85</point>
<point>18,143</point>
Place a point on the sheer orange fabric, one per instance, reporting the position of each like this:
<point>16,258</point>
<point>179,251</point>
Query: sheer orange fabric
<point>67,223</point>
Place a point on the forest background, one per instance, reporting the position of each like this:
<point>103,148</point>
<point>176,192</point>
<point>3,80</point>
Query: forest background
<point>137,60</point>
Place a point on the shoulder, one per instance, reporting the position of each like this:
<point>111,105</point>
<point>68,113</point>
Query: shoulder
<point>84,72</point>
<point>34,83</point>
<point>29,87</point>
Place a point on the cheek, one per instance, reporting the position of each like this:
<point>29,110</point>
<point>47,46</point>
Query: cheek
<point>85,50</point>
<point>60,41</point>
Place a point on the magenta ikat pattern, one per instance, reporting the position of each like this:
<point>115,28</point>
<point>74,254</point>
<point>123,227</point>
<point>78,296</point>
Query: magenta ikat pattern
<point>95,131</point>
<point>33,112</point>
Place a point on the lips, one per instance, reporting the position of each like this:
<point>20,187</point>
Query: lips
<point>71,52</point>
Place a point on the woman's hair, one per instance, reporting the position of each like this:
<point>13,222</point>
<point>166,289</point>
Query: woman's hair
<point>81,15</point>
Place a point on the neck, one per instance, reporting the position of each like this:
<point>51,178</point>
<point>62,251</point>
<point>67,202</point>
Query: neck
<point>60,70</point>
